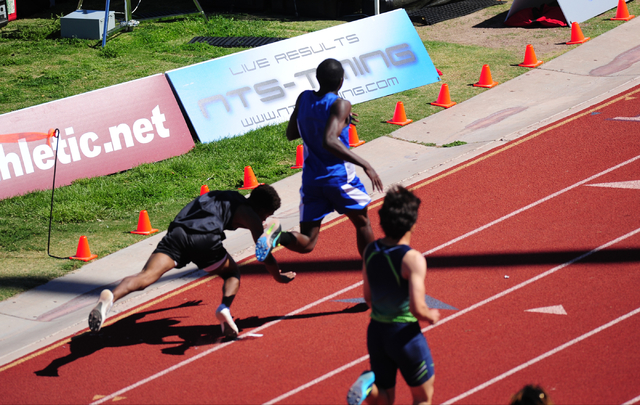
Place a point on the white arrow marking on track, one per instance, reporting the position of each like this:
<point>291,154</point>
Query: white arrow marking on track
<point>555,309</point>
<point>634,184</point>
<point>636,119</point>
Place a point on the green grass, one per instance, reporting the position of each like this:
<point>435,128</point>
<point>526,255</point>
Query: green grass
<point>454,143</point>
<point>38,66</point>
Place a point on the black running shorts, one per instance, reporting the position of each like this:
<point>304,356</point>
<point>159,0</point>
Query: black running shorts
<point>203,249</point>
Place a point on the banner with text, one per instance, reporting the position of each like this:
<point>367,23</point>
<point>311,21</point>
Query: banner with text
<point>232,95</point>
<point>101,132</point>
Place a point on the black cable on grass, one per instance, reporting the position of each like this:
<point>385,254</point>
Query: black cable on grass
<point>53,189</point>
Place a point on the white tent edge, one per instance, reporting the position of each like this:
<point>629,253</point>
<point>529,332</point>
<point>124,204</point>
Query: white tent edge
<point>573,10</point>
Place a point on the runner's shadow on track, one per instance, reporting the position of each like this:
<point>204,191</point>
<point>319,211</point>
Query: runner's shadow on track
<point>316,265</point>
<point>130,332</point>
<point>255,321</point>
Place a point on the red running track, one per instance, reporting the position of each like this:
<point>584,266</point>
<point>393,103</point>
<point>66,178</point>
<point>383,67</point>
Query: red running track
<point>548,221</point>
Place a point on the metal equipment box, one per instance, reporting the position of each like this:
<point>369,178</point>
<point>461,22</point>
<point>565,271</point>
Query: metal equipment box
<point>86,24</point>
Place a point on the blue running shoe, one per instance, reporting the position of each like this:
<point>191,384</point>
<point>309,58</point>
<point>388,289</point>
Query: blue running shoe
<point>268,240</point>
<point>361,388</point>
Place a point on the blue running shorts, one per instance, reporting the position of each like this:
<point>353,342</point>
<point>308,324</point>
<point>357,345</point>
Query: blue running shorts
<point>394,346</point>
<point>316,202</point>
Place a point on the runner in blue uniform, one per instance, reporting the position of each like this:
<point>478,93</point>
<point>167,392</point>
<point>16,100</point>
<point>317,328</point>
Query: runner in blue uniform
<point>329,180</point>
<point>393,282</point>
<point>196,235</point>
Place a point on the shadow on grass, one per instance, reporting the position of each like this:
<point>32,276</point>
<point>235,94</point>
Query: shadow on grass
<point>497,21</point>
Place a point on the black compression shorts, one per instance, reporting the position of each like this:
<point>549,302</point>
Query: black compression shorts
<point>204,249</point>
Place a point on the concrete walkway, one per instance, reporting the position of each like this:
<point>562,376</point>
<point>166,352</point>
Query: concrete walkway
<point>592,72</point>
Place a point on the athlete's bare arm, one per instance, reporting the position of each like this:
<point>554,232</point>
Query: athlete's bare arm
<point>339,117</point>
<point>245,217</point>
<point>414,269</point>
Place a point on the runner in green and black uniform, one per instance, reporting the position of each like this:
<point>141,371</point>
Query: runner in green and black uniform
<point>394,276</point>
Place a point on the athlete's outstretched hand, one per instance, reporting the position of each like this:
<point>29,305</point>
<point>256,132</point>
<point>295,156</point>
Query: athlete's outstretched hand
<point>376,183</point>
<point>434,314</point>
<point>284,278</point>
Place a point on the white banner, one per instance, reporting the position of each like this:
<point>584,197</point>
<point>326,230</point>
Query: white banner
<point>232,95</point>
<point>573,10</point>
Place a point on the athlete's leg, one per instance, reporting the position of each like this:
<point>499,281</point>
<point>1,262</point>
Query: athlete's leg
<point>364,233</point>
<point>379,396</point>
<point>383,390</point>
<point>156,266</point>
<point>227,269</point>
<point>423,394</point>
<point>413,356</point>
<point>361,392</point>
<point>303,241</point>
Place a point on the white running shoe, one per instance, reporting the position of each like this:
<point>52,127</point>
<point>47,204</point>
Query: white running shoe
<point>229,328</point>
<point>101,310</point>
<point>361,388</point>
<point>268,240</point>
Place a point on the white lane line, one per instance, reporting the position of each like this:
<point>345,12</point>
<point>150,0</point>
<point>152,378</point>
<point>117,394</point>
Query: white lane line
<point>460,313</point>
<point>220,346</point>
<point>542,357</point>
<point>317,380</point>
<point>633,401</point>
<point>533,204</point>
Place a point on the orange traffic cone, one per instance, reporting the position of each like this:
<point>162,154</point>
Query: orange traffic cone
<point>444,100</point>
<point>576,35</point>
<point>299,157</point>
<point>399,116</point>
<point>250,181</point>
<point>485,78</point>
<point>204,189</point>
<point>622,13</point>
<point>353,137</point>
<point>530,59</point>
<point>144,225</point>
<point>83,253</point>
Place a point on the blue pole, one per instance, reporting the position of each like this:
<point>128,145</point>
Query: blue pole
<point>106,23</point>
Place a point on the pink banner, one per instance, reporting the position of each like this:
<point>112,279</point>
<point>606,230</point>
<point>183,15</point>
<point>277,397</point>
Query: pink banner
<point>101,132</point>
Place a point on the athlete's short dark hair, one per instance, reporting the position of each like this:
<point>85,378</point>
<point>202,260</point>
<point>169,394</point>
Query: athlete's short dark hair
<point>399,212</point>
<point>265,197</point>
<point>329,74</point>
